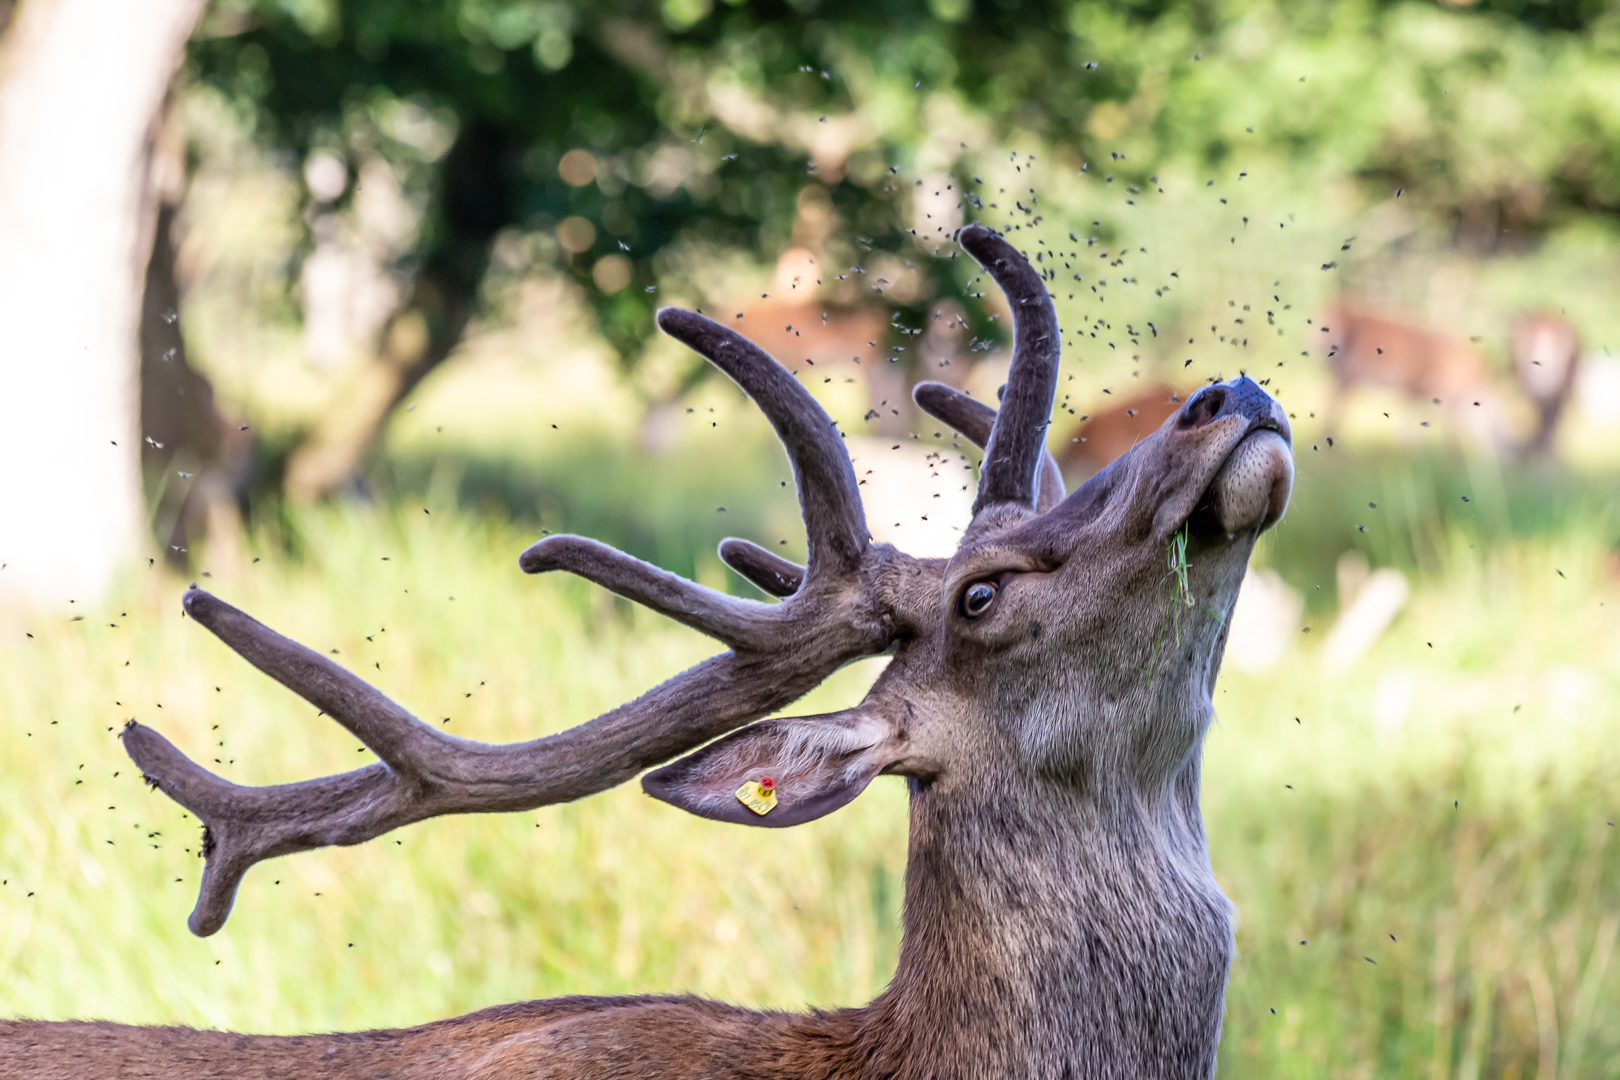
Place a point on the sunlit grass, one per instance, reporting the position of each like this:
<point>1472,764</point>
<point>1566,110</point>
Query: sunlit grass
<point>1439,826</point>
<point>1469,822</point>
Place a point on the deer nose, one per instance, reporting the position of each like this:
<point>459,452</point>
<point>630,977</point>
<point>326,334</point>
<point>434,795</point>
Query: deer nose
<point>1202,408</point>
<point>1242,397</point>
<point>1247,398</point>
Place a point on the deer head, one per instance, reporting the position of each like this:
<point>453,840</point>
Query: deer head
<point>1048,691</point>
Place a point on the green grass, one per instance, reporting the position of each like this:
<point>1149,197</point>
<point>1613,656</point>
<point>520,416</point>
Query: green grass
<point>1474,831</point>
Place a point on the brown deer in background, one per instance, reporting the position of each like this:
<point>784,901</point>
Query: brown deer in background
<point>847,344</point>
<point>1365,348</point>
<point>1047,698</point>
<point>1105,435</point>
<point>1546,355</point>
<point>791,324</point>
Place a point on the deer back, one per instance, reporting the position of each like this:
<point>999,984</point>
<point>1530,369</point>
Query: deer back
<point>1106,434</point>
<point>1369,349</point>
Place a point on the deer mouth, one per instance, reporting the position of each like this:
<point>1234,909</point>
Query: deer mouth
<point>1250,490</point>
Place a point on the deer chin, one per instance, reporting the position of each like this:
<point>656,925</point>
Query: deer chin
<point>1250,492</point>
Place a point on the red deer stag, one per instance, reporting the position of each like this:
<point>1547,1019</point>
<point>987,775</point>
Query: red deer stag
<point>1367,349</point>
<point>1046,702</point>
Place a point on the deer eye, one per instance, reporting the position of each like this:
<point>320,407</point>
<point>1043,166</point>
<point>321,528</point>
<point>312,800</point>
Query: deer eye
<point>978,598</point>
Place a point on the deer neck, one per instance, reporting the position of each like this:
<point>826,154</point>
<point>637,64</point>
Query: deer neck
<point>1056,931</point>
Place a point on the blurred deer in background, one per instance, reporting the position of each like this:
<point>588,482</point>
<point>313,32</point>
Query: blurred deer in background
<point>1105,435</point>
<point>1046,701</point>
<point>1546,355</point>
<point>1365,348</point>
<point>791,323</point>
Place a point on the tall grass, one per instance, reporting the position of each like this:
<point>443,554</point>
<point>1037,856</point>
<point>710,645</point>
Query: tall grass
<point>1433,823</point>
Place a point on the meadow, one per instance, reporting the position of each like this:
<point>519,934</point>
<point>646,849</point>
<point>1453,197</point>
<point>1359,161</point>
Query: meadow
<point>1422,848</point>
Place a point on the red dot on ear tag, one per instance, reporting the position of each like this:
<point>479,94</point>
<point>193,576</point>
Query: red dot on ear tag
<point>768,784</point>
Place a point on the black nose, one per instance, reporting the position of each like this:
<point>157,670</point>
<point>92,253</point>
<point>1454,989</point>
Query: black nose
<point>1241,397</point>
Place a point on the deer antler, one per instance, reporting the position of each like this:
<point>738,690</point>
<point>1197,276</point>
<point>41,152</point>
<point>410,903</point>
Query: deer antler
<point>771,573</point>
<point>974,419</point>
<point>851,600</point>
<point>1017,439</point>
<point>778,652</point>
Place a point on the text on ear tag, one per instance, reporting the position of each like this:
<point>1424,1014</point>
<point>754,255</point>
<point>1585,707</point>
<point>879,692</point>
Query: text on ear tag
<point>759,797</point>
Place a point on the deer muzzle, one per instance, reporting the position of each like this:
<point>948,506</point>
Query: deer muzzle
<point>1250,492</point>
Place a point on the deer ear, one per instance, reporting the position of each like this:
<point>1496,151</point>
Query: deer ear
<point>815,763</point>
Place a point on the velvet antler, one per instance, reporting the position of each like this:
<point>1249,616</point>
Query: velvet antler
<point>849,601</point>
<point>1018,438</point>
<point>974,419</point>
<point>777,653</point>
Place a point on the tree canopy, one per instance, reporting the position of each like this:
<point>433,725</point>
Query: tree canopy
<point>611,136</point>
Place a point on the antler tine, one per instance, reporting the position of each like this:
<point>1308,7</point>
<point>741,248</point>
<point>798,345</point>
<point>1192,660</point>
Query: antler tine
<point>830,501</point>
<point>735,622</point>
<point>393,734</point>
<point>246,825</point>
<point>778,653</point>
<point>770,573</point>
<point>426,773</point>
<point>1019,433</point>
<point>974,419</point>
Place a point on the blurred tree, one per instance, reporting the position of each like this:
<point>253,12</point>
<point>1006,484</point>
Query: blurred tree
<point>625,130</point>
<point>1497,122</point>
<point>614,139</point>
<point>611,138</point>
<point>80,84</point>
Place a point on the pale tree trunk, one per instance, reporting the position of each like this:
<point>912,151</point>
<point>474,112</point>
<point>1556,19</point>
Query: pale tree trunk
<point>81,84</point>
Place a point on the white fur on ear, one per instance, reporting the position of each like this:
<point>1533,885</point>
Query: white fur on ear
<point>817,764</point>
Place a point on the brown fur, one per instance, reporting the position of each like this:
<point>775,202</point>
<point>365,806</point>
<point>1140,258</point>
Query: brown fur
<point>1546,358</point>
<point>1366,348</point>
<point>1108,433</point>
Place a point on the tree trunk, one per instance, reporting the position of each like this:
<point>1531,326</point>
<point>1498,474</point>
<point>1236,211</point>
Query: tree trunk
<point>81,83</point>
<point>414,344</point>
<point>195,463</point>
<point>474,204</point>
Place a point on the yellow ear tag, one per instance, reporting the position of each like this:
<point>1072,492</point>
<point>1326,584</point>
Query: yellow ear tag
<point>759,797</point>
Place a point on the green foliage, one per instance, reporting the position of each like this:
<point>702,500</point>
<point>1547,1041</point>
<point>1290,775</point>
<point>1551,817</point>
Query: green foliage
<point>710,125</point>
<point>672,510</point>
<point>476,103</point>
<point>1406,510</point>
